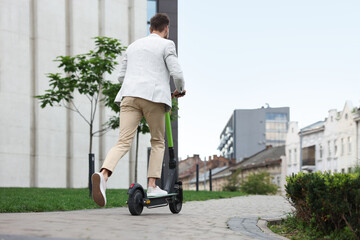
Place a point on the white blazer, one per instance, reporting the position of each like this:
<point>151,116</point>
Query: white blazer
<point>146,68</point>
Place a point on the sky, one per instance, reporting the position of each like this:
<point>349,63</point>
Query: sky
<point>238,54</point>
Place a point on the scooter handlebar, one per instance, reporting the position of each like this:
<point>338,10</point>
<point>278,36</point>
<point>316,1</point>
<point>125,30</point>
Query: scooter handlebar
<point>179,94</point>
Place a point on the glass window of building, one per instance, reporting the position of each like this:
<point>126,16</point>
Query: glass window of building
<point>151,11</point>
<point>295,155</point>
<point>329,148</point>
<point>349,145</point>
<point>335,147</point>
<point>276,117</point>
<point>342,146</point>
<point>276,128</point>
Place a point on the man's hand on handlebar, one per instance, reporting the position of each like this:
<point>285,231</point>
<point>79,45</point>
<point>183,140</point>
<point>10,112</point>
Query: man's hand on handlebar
<point>178,94</point>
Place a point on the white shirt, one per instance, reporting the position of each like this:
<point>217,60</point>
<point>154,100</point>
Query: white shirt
<point>146,68</point>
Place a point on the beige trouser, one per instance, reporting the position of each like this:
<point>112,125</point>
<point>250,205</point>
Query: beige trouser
<point>132,110</point>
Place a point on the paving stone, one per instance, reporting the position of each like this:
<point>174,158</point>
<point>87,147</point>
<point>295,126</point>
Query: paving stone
<point>233,218</point>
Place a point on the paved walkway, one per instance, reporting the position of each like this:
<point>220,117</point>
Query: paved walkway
<point>232,218</point>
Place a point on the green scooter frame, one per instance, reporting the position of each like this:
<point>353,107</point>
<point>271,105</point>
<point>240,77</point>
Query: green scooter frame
<point>137,195</point>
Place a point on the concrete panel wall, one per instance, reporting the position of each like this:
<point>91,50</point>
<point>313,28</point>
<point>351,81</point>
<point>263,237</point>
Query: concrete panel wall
<point>84,28</point>
<point>50,122</point>
<point>49,147</point>
<point>14,93</point>
<point>116,13</point>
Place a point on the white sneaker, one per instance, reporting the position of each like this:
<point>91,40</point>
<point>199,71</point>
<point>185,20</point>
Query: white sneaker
<point>155,192</point>
<point>98,189</point>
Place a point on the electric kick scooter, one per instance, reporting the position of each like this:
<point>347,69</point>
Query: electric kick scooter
<point>138,197</point>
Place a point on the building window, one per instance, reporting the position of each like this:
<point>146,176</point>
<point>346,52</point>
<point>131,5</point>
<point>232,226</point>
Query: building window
<point>335,147</point>
<point>276,126</point>
<point>320,151</point>
<point>329,148</point>
<point>295,155</point>
<point>349,170</point>
<point>290,159</point>
<point>349,145</point>
<point>342,147</point>
<point>342,170</point>
<point>308,156</point>
<point>276,116</point>
<point>151,11</point>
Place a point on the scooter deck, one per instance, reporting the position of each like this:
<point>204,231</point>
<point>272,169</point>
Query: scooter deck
<point>162,196</point>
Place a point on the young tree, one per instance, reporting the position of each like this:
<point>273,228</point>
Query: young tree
<point>84,73</point>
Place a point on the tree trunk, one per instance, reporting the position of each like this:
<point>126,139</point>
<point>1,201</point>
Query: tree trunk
<point>91,161</point>
<point>91,139</point>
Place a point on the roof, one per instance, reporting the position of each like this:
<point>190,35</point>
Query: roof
<point>271,155</point>
<point>318,126</point>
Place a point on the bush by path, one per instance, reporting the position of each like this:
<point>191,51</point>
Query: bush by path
<point>327,202</point>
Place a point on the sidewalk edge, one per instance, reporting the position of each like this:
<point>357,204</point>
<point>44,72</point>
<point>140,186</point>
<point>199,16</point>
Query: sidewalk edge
<point>262,224</point>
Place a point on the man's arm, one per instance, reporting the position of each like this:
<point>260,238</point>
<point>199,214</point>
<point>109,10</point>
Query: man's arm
<point>123,69</point>
<point>174,67</point>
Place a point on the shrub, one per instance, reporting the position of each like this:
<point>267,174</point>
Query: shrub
<point>233,182</point>
<point>328,202</point>
<point>296,229</point>
<point>259,183</point>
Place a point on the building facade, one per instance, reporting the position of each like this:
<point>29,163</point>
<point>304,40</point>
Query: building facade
<point>292,149</point>
<point>49,147</point>
<point>220,171</point>
<point>249,131</point>
<point>330,145</point>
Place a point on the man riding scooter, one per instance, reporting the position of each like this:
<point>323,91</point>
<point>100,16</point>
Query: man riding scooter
<point>145,77</point>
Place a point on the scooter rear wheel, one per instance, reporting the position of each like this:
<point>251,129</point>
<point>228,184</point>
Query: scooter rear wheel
<point>135,202</point>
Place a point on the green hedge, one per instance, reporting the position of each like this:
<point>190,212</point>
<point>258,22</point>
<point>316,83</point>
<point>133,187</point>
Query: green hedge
<point>327,202</point>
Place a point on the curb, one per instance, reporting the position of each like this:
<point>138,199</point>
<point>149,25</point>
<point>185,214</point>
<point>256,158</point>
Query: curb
<point>262,224</point>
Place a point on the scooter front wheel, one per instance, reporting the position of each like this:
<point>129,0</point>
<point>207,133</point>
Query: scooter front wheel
<point>176,204</point>
<point>135,202</point>
<point>175,207</point>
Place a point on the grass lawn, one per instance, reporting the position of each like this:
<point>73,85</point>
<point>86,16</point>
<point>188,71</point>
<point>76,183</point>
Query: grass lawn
<point>60,199</point>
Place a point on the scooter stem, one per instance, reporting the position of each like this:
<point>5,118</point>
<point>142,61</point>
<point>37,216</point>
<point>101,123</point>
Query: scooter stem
<point>168,130</point>
<point>172,161</point>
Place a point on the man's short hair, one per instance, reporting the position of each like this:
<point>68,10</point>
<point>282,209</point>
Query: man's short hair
<point>159,22</point>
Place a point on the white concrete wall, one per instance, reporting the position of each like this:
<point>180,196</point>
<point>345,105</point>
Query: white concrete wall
<point>292,145</point>
<point>15,97</point>
<point>84,28</point>
<point>21,56</point>
<point>50,123</point>
<point>337,127</point>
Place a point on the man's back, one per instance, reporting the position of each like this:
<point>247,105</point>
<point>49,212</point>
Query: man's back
<point>146,69</point>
